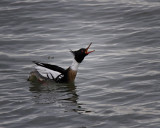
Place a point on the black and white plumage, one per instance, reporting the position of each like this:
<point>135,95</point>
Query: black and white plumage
<point>58,74</point>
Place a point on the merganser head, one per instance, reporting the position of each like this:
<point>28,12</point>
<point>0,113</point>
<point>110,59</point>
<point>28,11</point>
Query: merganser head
<point>81,53</point>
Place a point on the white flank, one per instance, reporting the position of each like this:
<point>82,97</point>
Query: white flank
<point>74,66</point>
<point>45,72</point>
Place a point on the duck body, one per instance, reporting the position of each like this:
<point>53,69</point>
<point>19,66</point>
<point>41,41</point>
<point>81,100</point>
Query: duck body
<point>56,73</point>
<point>45,71</point>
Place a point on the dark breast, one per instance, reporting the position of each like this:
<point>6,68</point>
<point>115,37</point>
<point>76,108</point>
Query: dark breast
<point>71,75</point>
<point>68,76</point>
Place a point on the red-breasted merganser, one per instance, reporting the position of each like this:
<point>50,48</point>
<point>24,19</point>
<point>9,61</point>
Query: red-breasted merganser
<point>58,74</point>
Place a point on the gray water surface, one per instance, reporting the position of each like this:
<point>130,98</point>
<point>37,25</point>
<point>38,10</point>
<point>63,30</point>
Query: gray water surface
<point>117,86</point>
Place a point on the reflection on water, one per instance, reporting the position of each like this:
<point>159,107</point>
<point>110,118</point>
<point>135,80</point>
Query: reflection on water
<point>50,92</point>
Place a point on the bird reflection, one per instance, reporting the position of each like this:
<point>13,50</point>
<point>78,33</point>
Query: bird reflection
<point>49,92</point>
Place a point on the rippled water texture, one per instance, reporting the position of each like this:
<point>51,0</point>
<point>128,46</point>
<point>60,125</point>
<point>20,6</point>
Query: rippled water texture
<point>117,86</point>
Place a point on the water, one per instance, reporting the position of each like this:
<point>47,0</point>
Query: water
<point>117,86</point>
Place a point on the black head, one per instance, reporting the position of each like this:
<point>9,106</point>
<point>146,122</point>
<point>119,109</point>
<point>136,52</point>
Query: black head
<point>81,53</point>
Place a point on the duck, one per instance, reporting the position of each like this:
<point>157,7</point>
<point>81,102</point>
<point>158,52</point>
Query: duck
<point>58,74</point>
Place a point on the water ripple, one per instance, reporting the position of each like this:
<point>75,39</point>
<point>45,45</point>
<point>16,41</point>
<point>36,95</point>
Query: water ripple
<point>116,86</point>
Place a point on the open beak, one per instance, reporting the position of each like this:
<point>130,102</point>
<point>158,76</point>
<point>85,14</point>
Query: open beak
<point>87,52</point>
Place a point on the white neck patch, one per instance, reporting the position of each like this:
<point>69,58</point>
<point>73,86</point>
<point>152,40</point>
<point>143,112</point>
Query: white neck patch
<point>74,66</point>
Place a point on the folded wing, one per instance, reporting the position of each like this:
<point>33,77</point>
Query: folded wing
<point>48,70</point>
